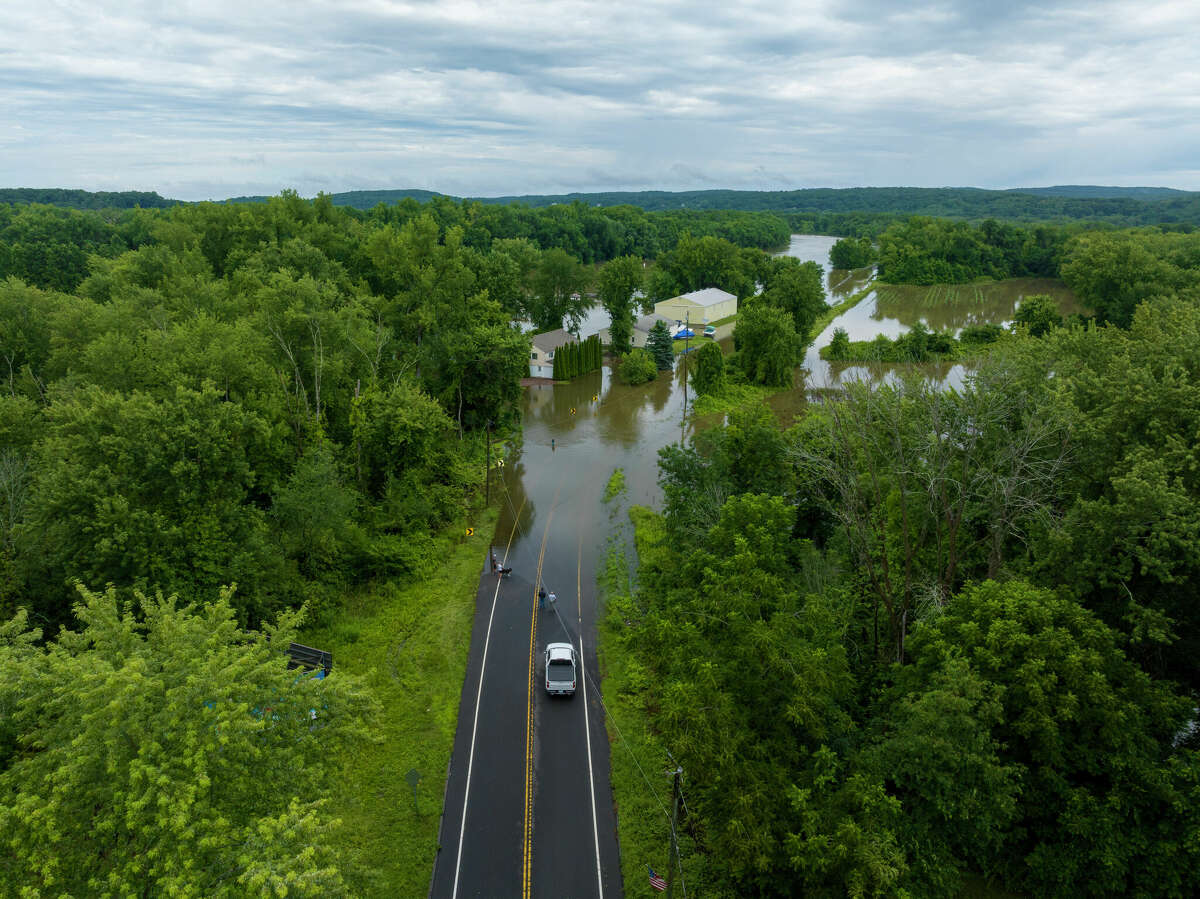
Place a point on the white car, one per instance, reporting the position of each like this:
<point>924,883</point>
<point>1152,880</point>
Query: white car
<point>560,669</point>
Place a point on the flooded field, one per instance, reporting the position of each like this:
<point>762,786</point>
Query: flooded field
<point>893,309</point>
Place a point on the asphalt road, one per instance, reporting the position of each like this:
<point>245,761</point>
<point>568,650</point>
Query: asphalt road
<point>528,809</point>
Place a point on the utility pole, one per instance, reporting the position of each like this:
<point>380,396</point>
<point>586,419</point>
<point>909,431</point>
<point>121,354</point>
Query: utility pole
<point>674,839</point>
<point>687,345</point>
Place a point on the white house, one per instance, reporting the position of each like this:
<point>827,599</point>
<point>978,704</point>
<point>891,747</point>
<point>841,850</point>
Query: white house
<point>541,351</point>
<point>700,307</point>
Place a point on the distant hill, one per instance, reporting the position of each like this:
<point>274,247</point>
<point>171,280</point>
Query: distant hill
<point>1095,192</point>
<point>360,199</point>
<point>84,199</point>
<point>1122,206</point>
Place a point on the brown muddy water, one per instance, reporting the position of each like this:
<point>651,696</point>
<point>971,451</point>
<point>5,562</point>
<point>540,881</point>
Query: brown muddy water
<point>576,434</point>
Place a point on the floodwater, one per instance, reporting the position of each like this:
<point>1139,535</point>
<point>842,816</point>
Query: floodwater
<point>894,309</point>
<point>598,424</point>
<point>554,527</point>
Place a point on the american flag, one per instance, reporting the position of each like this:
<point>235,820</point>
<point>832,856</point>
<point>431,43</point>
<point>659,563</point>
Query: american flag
<point>655,881</point>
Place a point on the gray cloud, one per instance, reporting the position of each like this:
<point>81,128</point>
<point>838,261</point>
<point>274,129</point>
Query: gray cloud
<point>470,97</point>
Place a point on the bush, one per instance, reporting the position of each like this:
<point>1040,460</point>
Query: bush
<point>839,346</point>
<point>980,334</point>
<point>638,367</point>
<point>709,371</point>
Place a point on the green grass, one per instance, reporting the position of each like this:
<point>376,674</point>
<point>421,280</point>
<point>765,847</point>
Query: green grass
<point>825,318</point>
<point>616,484</point>
<point>409,641</point>
<point>641,789</point>
<point>732,396</point>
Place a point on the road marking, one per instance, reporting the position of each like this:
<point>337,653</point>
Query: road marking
<point>587,728</point>
<point>527,838</point>
<point>478,697</point>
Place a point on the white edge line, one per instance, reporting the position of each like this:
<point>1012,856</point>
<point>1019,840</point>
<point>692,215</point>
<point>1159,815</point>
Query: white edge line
<point>591,777</point>
<point>462,829</point>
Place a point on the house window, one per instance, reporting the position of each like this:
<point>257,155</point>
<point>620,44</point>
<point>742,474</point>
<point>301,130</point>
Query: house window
<point>533,355</point>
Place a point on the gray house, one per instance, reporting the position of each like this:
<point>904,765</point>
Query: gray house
<point>542,349</point>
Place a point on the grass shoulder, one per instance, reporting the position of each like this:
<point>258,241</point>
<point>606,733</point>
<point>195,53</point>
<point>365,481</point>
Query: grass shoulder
<point>409,641</point>
<point>641,794</point>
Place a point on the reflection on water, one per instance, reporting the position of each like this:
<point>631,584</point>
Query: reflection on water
<point>892,310</point>
<point>575,434</point>
<point>952,307</point>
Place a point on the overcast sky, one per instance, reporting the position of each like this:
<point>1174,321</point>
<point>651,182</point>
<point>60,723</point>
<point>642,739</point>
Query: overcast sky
<point>211,99</point>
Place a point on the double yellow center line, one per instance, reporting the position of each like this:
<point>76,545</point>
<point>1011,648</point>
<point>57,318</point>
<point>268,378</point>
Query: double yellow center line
<point>527,837</point>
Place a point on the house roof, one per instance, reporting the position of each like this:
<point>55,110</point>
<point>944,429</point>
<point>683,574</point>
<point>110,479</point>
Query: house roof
<point>646,322</point>
<point>549,341</point>
<point>709,296</point>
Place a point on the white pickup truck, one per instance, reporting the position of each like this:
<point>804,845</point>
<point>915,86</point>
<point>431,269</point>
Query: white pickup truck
<point>560,669</point>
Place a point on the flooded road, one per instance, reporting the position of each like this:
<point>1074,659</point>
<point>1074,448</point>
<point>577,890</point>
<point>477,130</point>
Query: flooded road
<point>553,532</point>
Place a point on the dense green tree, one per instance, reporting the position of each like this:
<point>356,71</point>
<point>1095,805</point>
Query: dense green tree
<point>957,792</point>
<point>161,750</point>
<point>152,493</point>
<point>767,345</point>
<point>852,253</point>
<point>839,345</point>
<point>637,367</point>
<point>699,262</point>
<point>798,288</point>
<point>1038,314</point>
<point>728,634</point>
<point>557,291</point>
<point>1129,533</point>
<point>931,487</point>
<point>1112,273</point>
<point>1105,804</point>
<point>619,280</point>
<point>707,369</point>
<point>660,346</point>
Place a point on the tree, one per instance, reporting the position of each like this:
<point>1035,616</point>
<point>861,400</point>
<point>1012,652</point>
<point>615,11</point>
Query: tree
<point>1113,273</point>
<point>708,369</point>
<point>699,262</point>
<point>765,337</point>
<point>932,487</point>
<point>638,367</point>
<point>1130,531</point>
<point>660,346</point>
<point>557,299</point>
<point>797,287</point>
<point>839,346</point>
<point>619,280</point>
<point>1038,313</point>
<point>152,493</point>
<point>852,253</point>
<point>162,750</point>
<point>1105,802</point>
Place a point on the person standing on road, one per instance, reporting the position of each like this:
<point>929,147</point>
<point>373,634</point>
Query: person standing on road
<point>553,599</point>
<point>541,597</point>
<point>495,564</point>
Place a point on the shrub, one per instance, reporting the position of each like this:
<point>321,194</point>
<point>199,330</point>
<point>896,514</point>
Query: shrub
<point>638,367</point>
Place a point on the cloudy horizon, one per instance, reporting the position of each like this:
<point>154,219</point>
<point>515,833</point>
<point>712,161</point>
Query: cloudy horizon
<point>217,99</point>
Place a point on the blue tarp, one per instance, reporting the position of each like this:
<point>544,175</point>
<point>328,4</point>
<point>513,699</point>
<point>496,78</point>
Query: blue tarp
<point>683,333</point>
